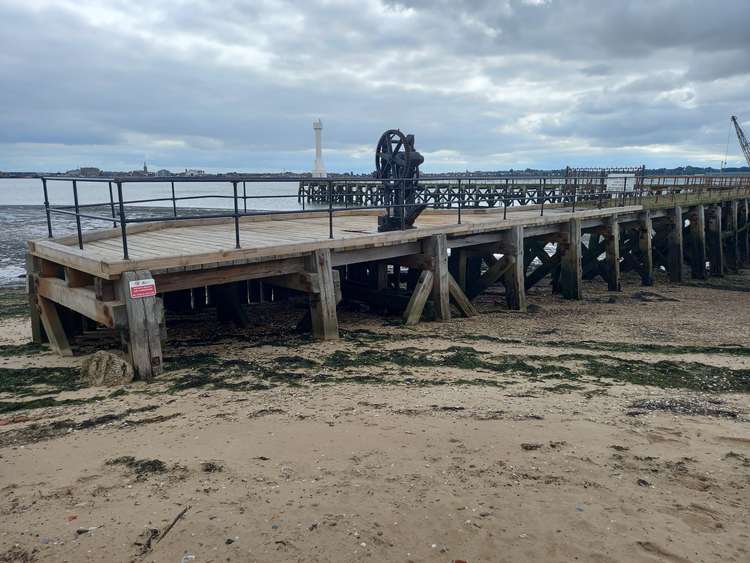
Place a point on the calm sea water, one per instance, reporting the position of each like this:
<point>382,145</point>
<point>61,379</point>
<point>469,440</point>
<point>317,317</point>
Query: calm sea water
<point>22,216</point>
<point>29,192</point>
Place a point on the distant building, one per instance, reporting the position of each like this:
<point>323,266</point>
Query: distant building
<point>194,172</point>
<point>89,171</point>
<point>164,172</point>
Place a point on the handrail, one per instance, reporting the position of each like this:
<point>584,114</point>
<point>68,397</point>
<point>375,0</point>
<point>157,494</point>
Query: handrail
<point>459,190</point>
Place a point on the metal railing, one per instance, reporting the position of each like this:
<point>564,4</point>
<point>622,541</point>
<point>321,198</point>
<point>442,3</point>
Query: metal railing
<point>462,197</point>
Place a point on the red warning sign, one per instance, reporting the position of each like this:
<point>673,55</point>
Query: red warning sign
<point>142,288</point>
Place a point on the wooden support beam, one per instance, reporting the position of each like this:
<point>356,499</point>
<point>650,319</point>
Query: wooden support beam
<point>733,236</point>
<point>305,282</point>
<point>697,248</point>
<point>414,308</point>
<point>417,261</point>
<point>674,242</point>
<point>571,271</point>
<point>82,300</point>
<point>32,275</point>
<point>104,289</point>
<point>459,298</point>
<point>438,249</point>
<point>645,246</point>
<point>53,327</point>
<point>202,278</point>
<point>324,320</point>
<point>612,251</point>
<point>549,265</point>
<point>143,335</point>
<point>515,275</point>
<point>344,257</point>
<point>457,265</point>
<point>76,278</point>
<point>229,303</point>
<point>50,269</point>
<point>713,240</point>
<point>744,237</point>
<point>381,275</point>
<point>179,302</point>
<point>490,277</point>
<point>590,263</point>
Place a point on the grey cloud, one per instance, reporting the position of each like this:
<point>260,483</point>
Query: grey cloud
<point>235,85</point>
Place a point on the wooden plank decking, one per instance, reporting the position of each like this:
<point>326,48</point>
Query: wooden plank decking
<point>180,244</point>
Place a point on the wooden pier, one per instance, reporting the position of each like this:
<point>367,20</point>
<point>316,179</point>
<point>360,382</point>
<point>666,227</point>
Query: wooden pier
<point>440,266</point>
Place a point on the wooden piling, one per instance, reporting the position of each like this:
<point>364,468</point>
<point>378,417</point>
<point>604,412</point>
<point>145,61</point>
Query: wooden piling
<point>645,246</point>
<point>571,272</point>
<point>613,254</point>
<point>713,241</point>
<point>514,277</point>
<point>418,299</point>
<point>32,272</point>
<point>457,266</point>
<point>674,242</point>
<point>465,307</point>
<point>733,236</point>
<point>698,243</point>
<point>744,237</point>
<point>142,338</point>
<point>228,298</point>
<point>381,275</point>
<point>438,249</point>
<point>323,316</point>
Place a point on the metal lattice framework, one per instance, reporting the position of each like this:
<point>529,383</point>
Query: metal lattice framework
<point>742,139</point>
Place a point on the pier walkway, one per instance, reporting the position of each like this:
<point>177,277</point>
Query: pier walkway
<point>434,270</point>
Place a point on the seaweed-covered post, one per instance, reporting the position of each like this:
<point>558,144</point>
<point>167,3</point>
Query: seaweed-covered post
<point>744,241</point>
<point>697,233</point>
<point>714,242</point>
<point>645,246</point>
<point>674,245</point>
<point>613,253</point>
<point>733,235</point>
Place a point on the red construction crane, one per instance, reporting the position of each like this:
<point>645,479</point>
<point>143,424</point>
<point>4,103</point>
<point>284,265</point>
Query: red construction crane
<point>742,139</point>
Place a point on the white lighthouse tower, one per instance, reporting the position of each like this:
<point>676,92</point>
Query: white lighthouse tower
<point>319,171</point>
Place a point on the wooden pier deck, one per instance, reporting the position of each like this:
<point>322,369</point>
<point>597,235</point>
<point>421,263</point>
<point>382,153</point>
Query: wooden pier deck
<point>441,260</point>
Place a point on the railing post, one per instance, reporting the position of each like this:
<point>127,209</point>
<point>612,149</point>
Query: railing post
<point>174,201</point>
<point>78,216</point>
<point>123,225</point>
<point>112,205</point>
<point>505,200</point>
<point>46,208</point>
<point>330,209</point>
<point>575,193</point>
<point>244,197</point>
<point>236,217</point>
<point>460,200</point>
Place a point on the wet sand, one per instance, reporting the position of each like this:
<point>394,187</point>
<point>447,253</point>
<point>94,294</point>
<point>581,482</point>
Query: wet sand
<point>615,429</point>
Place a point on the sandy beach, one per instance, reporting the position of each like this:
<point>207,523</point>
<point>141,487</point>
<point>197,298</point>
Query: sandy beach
<point>615,429</point>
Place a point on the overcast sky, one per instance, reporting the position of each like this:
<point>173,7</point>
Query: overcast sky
<point>496,84</point>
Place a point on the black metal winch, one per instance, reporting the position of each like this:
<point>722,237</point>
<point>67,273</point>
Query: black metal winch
<point>397,164</point>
